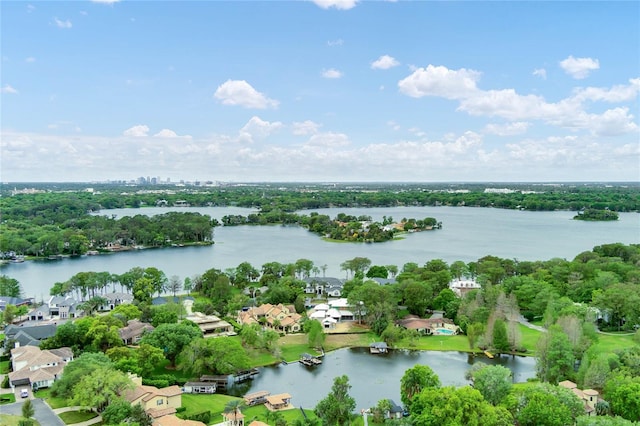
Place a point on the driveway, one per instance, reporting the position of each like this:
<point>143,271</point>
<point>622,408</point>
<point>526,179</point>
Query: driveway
<point>42,412</point>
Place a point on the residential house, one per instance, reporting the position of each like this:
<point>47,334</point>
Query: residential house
<point>281,401</point>
<point>324,287</point>
<point>589,397</point>
<point>335,310</point>
<point>37,368</point>
<point>200,387</point>
<point>462,287</point>
<point>132,333</point>
<point>172,420</point>
<point>156,402</point>
<point>280,317</point>
<point>429,326</point>
<point>211,325</point>
<point>114,299</point>
<point>21,335</point>
<point>15,301</point>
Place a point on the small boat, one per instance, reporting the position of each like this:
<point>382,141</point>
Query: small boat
<point>488,354</point>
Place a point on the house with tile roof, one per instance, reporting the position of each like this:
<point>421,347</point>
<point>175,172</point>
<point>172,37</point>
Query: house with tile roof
<point>156,402</point>
<point>324,286</point>
<point>589,397</point>
<point>211,325</point>
<point>282,318</point>
<point>37,368</point>
<point>428,326</point>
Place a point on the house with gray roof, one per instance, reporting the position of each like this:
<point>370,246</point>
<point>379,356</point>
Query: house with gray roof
<point>324,286</point>
<point>20,335</point>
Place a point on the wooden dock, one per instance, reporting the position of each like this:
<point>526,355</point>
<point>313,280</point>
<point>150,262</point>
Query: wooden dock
<point>310,360</point>
<point>488,354</point>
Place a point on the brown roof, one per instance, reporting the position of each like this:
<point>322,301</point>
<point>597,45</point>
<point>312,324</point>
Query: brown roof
<point>172,420</point>
<point>567,384</point>
<point>159,412</point>
<point>278,399</point>
<point>258,423</point>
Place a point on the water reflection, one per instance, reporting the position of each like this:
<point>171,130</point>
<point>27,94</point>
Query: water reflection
<point>374,377</point>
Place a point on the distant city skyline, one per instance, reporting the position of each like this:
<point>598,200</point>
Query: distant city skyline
<point>320,91</point>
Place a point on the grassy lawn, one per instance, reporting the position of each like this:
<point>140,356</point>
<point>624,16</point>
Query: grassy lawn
<point>198,403</point>
<point>54,402</point>
<point>7,398</point>
<point>259,412</point>
<point>72,417</point>
<point>5,366</point>
<point>9,420</point>
<point>610,343</point>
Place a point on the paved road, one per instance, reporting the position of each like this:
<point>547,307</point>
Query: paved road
<point>42,412</point>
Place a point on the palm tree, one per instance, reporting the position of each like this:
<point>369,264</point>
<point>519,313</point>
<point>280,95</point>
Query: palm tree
<point>232,412</point>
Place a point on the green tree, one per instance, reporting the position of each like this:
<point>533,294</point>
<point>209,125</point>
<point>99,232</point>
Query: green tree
<point>500,337</point>
<point>315,333</point>
<point>118,411</point>
<point>9,287</point>
<point>337,407</point>
<point>76,370</point>
<point>623,393</point>
<point>214,356</point>
<point>414,380</point>
<point>9,314</point>
<point>100,387</point>
<point>172,338</point>
<point>494,382</point>
<point>554,361</point>
<point>548,405</point>
<point>474,332</point>
<point>449,406</point>
<point>27,409</point>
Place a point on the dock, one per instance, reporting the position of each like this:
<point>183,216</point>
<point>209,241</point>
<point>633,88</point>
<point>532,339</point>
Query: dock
<point>378,348</point>
<point>310,360</point>
<point>488,354</point>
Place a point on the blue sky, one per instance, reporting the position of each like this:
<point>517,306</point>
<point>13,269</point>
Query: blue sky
<point>321,90</point>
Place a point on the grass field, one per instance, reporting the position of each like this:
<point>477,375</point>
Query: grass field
<point>52,401</point>
<point>8,398</point>
<point>73,417</point>
<point>4,367</point>
<point>9,420</point>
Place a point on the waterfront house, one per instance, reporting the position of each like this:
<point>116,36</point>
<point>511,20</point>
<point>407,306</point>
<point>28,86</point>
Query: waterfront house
<point>324,287</point>
<point>429,326</point>
<point>281,401</point>
<point>233,418</point>
<point>282,318</point>
<point>461,287</point>
<point>200,387</point>
<point>155,402</point>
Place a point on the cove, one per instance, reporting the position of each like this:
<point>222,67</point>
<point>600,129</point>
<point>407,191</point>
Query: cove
<point>373,377</point>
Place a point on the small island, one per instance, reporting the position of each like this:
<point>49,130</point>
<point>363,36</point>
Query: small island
<point>596,215</point>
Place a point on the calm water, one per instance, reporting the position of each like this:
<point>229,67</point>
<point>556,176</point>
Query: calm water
<point>374,377</point>
<point>468,234</point>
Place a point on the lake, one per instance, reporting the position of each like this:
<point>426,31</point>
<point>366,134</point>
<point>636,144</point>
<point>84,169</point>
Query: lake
<point>468,234</point>
<point>374,377</point>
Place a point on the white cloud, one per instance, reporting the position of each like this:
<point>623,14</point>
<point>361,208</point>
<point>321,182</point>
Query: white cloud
<point>62,24</point>
<point>618,93</point>
<point>239,92</point>
<point>139,130</point>
<point>256,128</point>
<point>329,139</point>
<point>168,133</point>
<point>105,1</point>
<point>337,42</point>
<point>30,8</point>
<point>337,4</point>
<point>440,81</point>
<point>395,126</point>
<point>306,127</point>
<point>540,72</point>
<point>579,68</point>
<point>612,122</point>
<point>508,129</point>
<point>30,59</point>
<point>331,73</point>
<point>7,88</point>
<point>384,62</point>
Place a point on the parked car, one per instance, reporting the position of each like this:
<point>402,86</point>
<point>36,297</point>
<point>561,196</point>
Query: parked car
<point>24,393</point>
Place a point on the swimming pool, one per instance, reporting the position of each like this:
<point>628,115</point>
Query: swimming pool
<point>443,331</point>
